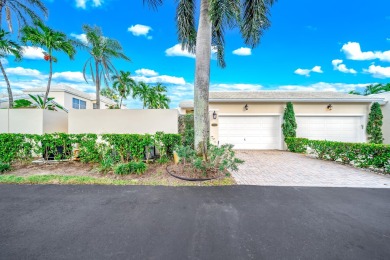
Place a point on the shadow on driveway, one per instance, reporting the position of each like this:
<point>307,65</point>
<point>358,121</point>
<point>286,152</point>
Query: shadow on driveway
<point>237,222</point>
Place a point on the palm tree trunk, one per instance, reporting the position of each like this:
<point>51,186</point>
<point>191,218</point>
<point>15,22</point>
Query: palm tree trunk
<point>202,80</point>
<point>120,104</point>
<point>48,82</point>
<point>97,85</point>
<point>10,97</point>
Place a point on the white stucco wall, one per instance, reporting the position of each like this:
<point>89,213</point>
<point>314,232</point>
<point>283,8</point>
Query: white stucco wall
<point>55,122</point>
<point>3,120</point>
<point>130,121</point>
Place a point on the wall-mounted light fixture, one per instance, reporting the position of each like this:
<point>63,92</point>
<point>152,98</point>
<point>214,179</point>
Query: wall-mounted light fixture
<point>246,107</point>
<point>329,107</point>
<point>215,115</point>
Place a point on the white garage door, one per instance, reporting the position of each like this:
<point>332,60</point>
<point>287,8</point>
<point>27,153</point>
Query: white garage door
<point>331,128</point>
<point>250,132</point>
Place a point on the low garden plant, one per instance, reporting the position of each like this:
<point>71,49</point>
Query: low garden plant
<point>4,167</point>
<point>363,155</point>
<point>130,168</point>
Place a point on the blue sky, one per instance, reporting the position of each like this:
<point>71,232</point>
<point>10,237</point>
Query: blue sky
<point>312,45</point>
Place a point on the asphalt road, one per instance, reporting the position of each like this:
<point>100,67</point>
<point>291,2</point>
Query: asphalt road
<point>239,222</point>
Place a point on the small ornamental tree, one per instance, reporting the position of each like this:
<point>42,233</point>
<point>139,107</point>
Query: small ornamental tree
<point>374,124</point>
<point>289,125</point>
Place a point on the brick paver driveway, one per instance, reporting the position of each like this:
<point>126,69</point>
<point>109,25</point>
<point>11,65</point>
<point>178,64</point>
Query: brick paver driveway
<point>280,168</point>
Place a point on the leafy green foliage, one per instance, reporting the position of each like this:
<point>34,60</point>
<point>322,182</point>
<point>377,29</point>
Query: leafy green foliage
<point>4,167</point>
<point>289,125</point>
<point>124,85</point>
<point>22,103</point>
<point>130,168</point>
<point>374,125</point>
<point>165,143</point>
<point>373,89</point>
<point>362,155</point>
<point>49,104</point>
<point>186,129</point>
<point>152,97</point>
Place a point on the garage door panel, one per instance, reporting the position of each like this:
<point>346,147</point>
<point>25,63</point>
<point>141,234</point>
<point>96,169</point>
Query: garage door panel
<point>250,132</point>
<point>334,128</point>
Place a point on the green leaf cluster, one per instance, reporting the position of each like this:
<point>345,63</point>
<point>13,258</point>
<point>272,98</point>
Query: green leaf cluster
<point>374,124</point>
<point>130,168</point>
<point>289,125</point>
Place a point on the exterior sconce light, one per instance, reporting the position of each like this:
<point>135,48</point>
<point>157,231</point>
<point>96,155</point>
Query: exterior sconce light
<point>246,107</point>
<point>329,107</point>
<point>214,115</point>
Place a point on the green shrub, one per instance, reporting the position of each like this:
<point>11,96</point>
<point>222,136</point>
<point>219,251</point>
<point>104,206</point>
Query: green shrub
<point>165,143</point>
<point>130,168</point>
<point>4,167</point>
<point>374,124</point>
<point>362,155</point>
<point>289,125</point>
<point>186,129</point>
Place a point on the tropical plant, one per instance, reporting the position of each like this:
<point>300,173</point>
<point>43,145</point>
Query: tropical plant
<point>124,85</point>
<point>102,49</point>
<point>374,124</point>
<point>23,11</point>
<point>43,36</point>
<point>289,125</point>
<point>110,93</point>
<point>49,104</point>
<point>7,47</point>
<point>22,103</point>
<point>151,97</point>
<point>372,89</point>
<point>251,16</point>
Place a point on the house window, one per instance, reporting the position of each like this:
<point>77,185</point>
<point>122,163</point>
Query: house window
<point>78,104</point>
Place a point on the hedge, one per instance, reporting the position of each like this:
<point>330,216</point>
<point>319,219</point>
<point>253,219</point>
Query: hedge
<point>92,147</point>
<point>363,155</point>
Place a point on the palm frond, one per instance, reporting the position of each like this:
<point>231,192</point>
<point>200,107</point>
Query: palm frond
<point>185,23</point>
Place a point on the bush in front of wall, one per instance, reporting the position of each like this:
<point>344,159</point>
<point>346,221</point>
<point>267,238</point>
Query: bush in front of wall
<point>130,168</point>
<point>289,125</point>
<point>4,167</point>
<point>186,129</point>
<point>374,125</point>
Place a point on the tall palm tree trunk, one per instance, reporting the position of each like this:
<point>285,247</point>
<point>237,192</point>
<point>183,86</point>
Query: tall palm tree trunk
<point>10,97</point>
<point>97,85</point>
<point>49,81</point>
<point>202,80</point>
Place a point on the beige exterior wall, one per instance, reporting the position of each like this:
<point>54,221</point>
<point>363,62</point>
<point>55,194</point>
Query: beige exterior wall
<point>68,101</point>
<point>278,109</point>
<point>148,121</point>
<point>3,120</point>
<point>55,122</point>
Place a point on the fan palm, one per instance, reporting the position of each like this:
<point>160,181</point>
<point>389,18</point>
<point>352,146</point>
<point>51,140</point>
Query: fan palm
<point>124,85</point>
<point>7,47</point>
<point>102,50</point>
<point>251,16</point>
<point>23,10</point>
<point>43,36</point>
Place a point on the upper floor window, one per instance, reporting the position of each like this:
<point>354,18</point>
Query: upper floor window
<point>79,104</point>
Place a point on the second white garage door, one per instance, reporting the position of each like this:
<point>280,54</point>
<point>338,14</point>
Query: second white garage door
<point>331,128</point>
<point>250,132</point>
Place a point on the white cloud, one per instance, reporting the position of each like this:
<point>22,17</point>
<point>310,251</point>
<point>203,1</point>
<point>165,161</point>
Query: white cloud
<point>74,76</point>
<point>353,51</point>
<point>338,65</point>
<point>83,3</point>
<point>378,71</point>
<point>19,71</point>
<point>140,30</point>
<point>33,53</point>
<point>243,51</point>
<point>81,37</point>
<point>146,72</point>
<point>306,72</point>
<point>324,86</point>
<point>177,51</point>
<point>235,87</point>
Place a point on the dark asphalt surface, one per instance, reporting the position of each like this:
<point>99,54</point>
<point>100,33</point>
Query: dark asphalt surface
<point>239,222</point>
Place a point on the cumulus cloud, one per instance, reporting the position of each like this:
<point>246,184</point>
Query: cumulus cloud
<point>146,72</point>
<point>74,76</point>
<point>243,51</point>
<point>378,71</point>
<point>83,3</point>
<point>306,72</point>
<point>338,65</point>
<point>32,53</point>
<point>178,51</point>
<point>140,30</point>
<point>353,51</point>
<point>20,71</point>
<point>81,37</point>
<point>161,79</point>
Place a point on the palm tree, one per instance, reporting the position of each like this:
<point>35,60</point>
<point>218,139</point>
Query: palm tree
<point>124,85</point>
<point>7,47</point>
<point>43,36</point>
<point>142,91</point>
<point>372,89</point>
<point>251,16</point>
<point>23,10</point>
<point>102,50</point>
<point>162,101</point>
